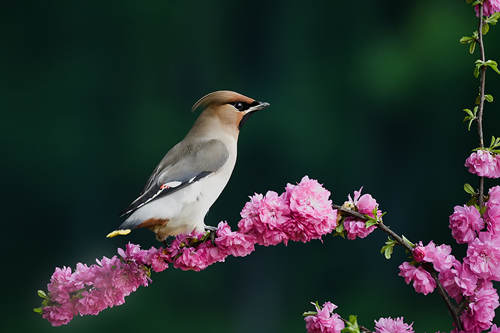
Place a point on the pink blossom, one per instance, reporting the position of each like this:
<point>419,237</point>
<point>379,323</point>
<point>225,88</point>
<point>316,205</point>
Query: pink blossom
<point>158,259</point>
<point>465,222</point>
<point>389,325</point>
<point>311,212</point>
<point>495,329</point>
<point>325,321</point>
<point>58,315</point>
<point>458,281</point>
<point>447,279</point>
<point>422,280</point>
<point>274,210</point>
<point>190,259</point>
<point>439,256</point>
<point>483,256</point>
<point>492,213</point>
<point>483,164</point>
<point>490,7</point>
<point>232,242</point>
<point>481,309</point>
<point>91,289</point>
<point>419,253</point>
<point>367,204</point>
<point>61,285</point>
<point>357,228</point>
<point>195,257</point>
<point>264,218</point>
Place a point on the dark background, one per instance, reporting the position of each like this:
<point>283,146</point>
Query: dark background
<point>362,93</point>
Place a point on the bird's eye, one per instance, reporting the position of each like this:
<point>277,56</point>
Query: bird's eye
<point>240,105</point>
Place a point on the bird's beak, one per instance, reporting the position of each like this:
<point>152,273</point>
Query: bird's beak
<point>255,106</point>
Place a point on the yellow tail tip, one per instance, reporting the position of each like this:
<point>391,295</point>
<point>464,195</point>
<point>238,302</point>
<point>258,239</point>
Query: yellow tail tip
<point>121,232</point>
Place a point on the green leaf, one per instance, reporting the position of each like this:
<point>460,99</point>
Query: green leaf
<point>38,310</point>
<point>351,325</point>
<point>466,40</point>
<point>495,143</point>
<point>407,241</point>
<point>469,112</point>
<point>493,19</point>
<point>485,28</point>
<point>388,248</point>
<point>472,47</point>
<point>469,189</point>
<point>488,98</point>
<point>370,222</point>
<point>470,124</point>
<point>339,230</point>
<point>476,71</point>
<point>477,2</point>
<point>309,313</point>
<point>493,65</point>
<point>42,294</point>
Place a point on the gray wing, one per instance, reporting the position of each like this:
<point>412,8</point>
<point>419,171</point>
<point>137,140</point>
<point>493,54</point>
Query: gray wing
<point>183,165</point>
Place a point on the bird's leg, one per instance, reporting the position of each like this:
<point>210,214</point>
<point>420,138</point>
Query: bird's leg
<point>212,232</point>
<point>210,228</point>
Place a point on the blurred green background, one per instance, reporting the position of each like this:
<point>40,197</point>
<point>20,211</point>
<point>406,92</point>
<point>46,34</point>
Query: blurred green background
<point>363,93</point>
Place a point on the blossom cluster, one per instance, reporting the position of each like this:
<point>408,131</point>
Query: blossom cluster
<point>364,204</point>
<point>483,163</point>
<point>90,289</point>
<point>472,278</point>
<point>490,7</point>
<point>303,212</point>
<point>389,325</point>
<point>324,320</point>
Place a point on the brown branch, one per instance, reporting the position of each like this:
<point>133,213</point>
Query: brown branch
<point>454,311</point>
<point>481,99</point>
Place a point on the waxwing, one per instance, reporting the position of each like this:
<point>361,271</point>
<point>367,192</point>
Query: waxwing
<point>193,173</point>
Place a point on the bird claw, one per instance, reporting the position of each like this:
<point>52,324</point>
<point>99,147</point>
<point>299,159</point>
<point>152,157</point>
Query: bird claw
<point>212,233</point>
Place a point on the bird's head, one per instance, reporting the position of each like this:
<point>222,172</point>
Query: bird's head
<point>229,107</point>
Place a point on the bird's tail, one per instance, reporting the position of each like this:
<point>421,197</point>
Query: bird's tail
<point>118,232</point>
<point>124,229</point>
<point>129,224</point>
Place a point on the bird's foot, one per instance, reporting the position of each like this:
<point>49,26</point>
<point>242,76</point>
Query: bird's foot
<point>210,228</point>
<point>211,233</point>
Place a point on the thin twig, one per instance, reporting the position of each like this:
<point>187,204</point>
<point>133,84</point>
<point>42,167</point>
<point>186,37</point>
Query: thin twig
<point>400,240</point>
<point>481,99</point>
<point>454,311</point>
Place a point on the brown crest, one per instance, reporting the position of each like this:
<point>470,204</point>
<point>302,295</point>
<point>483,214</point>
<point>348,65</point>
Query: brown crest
<point>220,97</point>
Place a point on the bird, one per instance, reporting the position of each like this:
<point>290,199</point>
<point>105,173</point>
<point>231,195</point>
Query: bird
<point>194,172</point>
